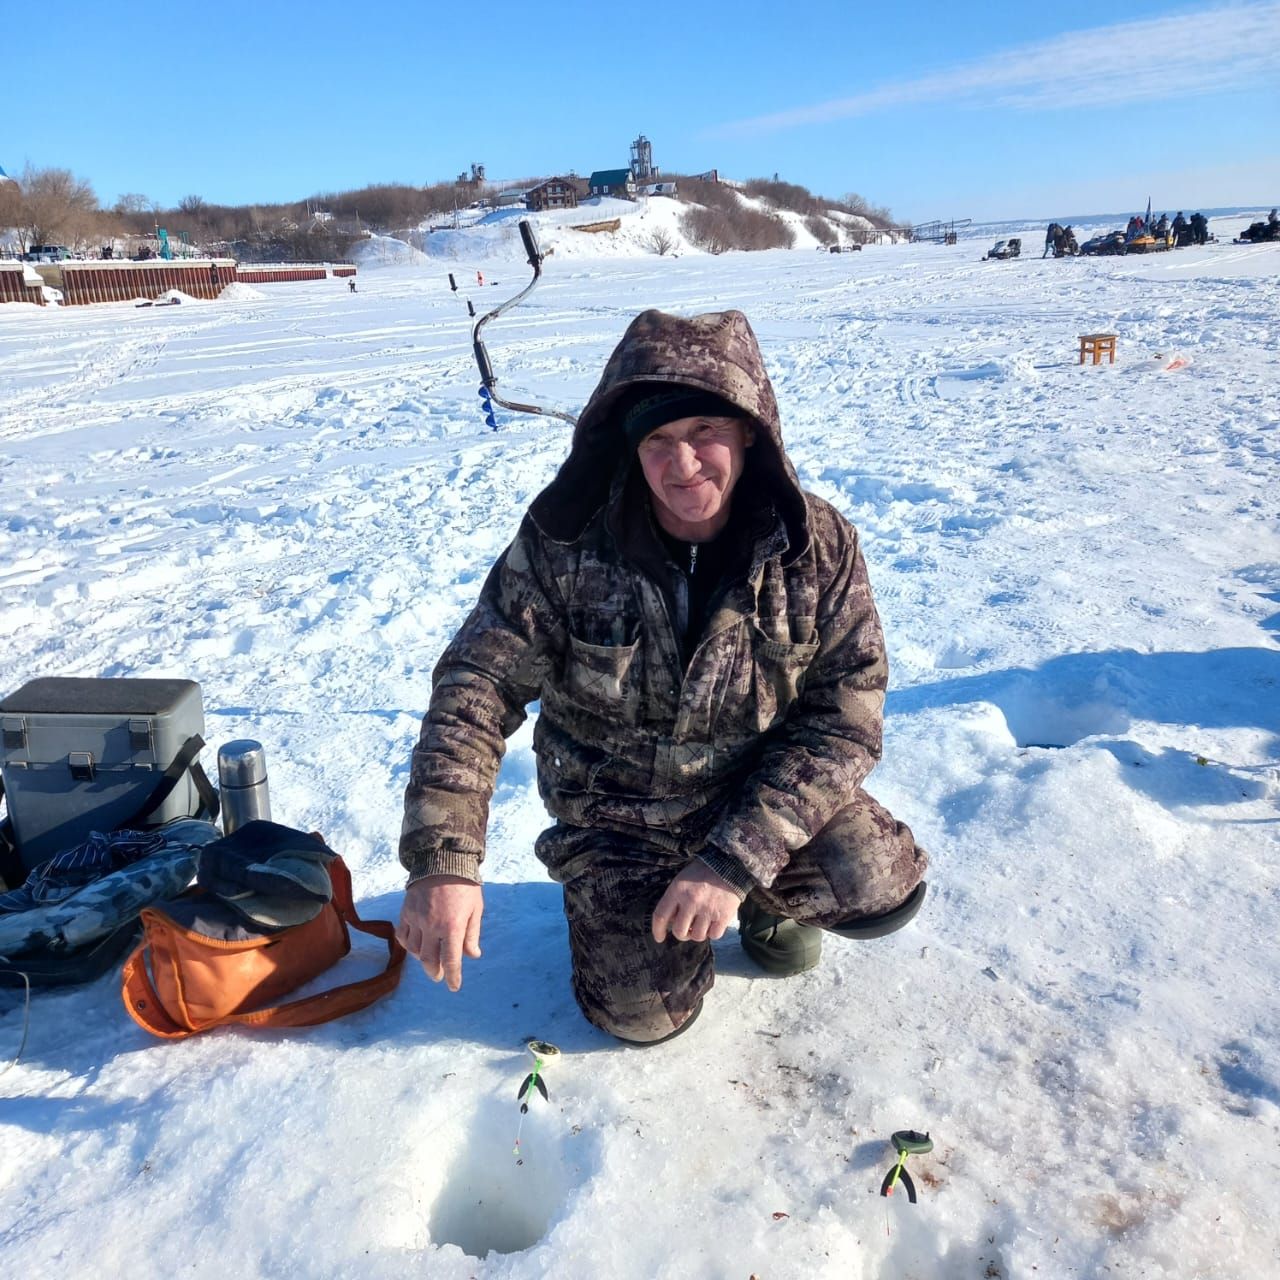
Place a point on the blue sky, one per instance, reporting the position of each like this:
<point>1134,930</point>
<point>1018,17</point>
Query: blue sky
<point>935,110</point>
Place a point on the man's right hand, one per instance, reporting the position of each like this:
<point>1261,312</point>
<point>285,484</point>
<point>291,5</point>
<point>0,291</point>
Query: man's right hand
<point>439,923</point>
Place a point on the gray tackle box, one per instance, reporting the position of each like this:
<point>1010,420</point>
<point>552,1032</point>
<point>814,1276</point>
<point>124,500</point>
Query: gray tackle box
<point>80,755</point>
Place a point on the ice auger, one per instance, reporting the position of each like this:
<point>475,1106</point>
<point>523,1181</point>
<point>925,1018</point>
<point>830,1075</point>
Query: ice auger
<point>488,379</point>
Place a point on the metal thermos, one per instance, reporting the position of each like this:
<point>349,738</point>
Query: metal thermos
<point>242,779</point>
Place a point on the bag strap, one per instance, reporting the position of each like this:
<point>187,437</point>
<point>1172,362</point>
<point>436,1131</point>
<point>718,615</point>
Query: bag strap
<point>183,762</point>
<point>140,997</point>
<point>142,1002</point>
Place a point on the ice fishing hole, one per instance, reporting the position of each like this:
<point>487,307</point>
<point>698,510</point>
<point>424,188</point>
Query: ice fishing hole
<point>487,1203</point>
<point>1038,718</point>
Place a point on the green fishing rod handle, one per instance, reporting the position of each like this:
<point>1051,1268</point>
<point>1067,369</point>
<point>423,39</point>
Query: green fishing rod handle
<point>908,1142</point>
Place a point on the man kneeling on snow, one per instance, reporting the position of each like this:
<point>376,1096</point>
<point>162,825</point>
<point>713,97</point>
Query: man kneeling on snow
<point>701,636</point>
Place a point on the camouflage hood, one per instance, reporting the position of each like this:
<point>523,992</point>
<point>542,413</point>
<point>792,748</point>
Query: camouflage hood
<point>716,352</point>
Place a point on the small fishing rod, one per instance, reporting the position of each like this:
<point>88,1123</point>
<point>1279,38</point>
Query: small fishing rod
<point>544,1054</point>
<point>488,379</point>
<point>906,1142</point>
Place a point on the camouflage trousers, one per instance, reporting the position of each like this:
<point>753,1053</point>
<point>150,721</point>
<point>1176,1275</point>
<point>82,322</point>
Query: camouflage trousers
<point>862,863</point>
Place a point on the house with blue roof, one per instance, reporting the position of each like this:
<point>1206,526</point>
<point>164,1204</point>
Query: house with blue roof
<point>613,182</point>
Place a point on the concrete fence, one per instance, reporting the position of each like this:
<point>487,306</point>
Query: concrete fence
<point>17,286</point>
<point>85,282</point>
<point>280,275</point>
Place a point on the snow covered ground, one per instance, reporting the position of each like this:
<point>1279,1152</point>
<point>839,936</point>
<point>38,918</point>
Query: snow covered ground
<point>292,499</point>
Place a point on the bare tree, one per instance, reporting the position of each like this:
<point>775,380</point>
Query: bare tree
<point>59,207</point>
<point>133,202</point>
<point>13,212</point>
<point>821,230</point>
<point>661,241</point>
<point>877,214</point>
<point>736,227</point>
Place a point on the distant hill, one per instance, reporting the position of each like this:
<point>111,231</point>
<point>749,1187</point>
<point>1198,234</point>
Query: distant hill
<point>704,217</point>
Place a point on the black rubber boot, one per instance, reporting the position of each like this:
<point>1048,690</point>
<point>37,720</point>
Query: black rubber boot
<point>866,927</point>
<point>777,944</point>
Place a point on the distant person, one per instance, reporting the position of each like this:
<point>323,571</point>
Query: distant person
<point>1181,231</point>
<point>351,284</point>
<point>1051,240</point>
<point>1273,222</point>
<point>1199,229</point>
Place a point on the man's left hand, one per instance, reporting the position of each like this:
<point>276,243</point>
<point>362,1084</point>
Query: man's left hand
<point>698,906</point>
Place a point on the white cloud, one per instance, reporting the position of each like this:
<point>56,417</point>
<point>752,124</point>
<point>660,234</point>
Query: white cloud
<point>1230,47</point>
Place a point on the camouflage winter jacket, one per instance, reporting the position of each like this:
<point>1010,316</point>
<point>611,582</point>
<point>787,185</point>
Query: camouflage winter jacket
<point>740,750</point>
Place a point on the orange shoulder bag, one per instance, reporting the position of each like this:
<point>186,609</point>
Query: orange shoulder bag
<point>196,982</point>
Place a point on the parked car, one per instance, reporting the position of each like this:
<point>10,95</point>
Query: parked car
<point>47,253</point>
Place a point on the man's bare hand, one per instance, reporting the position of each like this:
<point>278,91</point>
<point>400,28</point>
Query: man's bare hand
<point>440,923</point>
<point>698,905</point>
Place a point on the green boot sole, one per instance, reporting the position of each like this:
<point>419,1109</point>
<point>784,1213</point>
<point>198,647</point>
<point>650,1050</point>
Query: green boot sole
<point>778,945</point>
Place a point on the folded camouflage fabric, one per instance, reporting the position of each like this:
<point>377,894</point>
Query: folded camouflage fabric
<point>93,890</point>
<point>272,875</point>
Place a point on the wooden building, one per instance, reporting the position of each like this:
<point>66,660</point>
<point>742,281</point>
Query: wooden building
<point>554,193</point>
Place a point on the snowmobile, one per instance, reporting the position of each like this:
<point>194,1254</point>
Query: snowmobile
<point>1110,242</point>
<point>1004,249</point>
<point>1260,233</point>
<point>1148,242</point>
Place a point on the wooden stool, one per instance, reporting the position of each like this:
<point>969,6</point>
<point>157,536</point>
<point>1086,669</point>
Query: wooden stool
<point>1098,345</point>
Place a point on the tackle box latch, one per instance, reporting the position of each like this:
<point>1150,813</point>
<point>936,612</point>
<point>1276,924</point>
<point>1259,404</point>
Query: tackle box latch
<point>140,735</point>
<point>15,733</point>
<point>81,763</point>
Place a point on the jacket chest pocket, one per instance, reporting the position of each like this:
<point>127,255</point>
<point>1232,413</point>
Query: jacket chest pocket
<point>777,673</point>
<point>604,678</point>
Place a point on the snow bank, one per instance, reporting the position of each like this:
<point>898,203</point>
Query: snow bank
<point>240,292</point>
<point>647,226</point>
<point>385,251</point>
<point>642,224</point>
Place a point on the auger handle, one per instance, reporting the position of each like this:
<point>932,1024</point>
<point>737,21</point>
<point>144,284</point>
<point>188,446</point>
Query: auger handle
<point>530,244</point>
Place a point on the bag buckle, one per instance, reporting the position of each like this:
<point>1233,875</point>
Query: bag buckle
<point>140,735</point>
<point>81,763</point>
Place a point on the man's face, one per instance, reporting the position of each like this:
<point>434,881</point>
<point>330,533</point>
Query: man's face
<point>691,466</point>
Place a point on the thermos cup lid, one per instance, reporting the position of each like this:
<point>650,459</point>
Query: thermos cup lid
<point>242,763</point>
